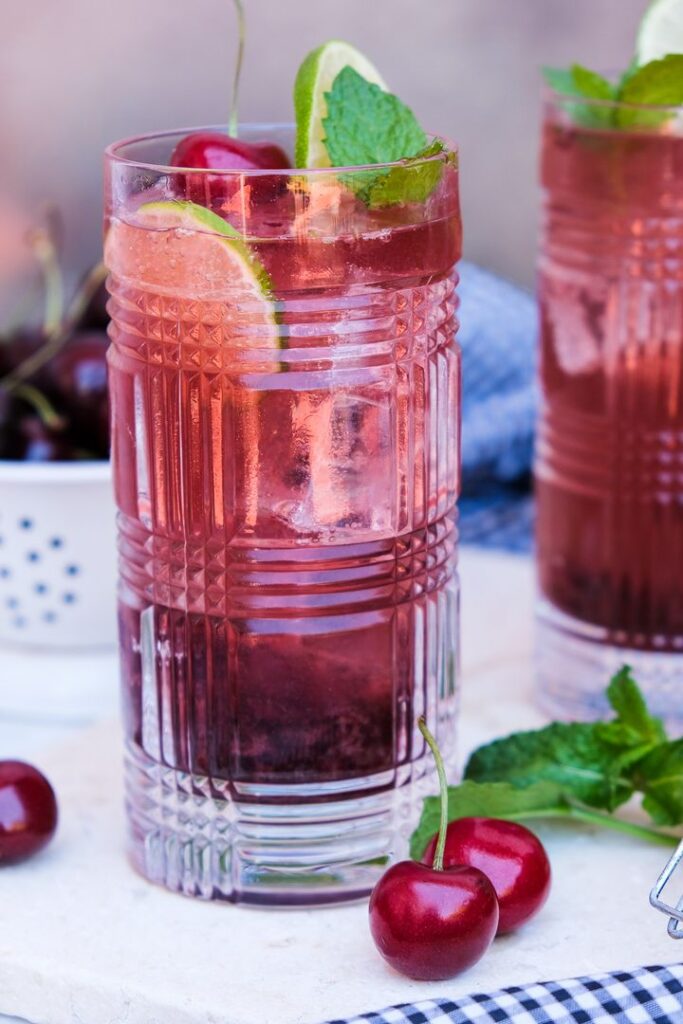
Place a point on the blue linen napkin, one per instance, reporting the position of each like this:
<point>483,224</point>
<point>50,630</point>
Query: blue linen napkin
<point>498,336</point>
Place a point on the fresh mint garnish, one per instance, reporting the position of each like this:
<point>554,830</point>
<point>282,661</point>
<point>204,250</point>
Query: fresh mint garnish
<point>583,83</point>
<point>576,770</point>
<point>366,125</point>
<point>659,83</point>
<point>412,182</point>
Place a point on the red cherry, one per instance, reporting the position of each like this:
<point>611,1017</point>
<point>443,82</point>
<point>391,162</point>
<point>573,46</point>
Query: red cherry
<point>221,152</point>
<point>78,375</point>
<point>511,856</point>
<point>218,152</point>
<point>28,811</point>
<point>432,924</point>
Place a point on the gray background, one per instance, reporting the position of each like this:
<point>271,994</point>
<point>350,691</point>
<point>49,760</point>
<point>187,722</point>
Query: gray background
<point>75,74</point>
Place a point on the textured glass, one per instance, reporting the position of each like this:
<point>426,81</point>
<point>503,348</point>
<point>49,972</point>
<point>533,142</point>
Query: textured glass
<point>288,595</point>
<point>610,448</point>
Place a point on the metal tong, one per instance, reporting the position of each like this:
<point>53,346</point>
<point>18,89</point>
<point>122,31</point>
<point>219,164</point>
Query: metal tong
<point>674,913</point>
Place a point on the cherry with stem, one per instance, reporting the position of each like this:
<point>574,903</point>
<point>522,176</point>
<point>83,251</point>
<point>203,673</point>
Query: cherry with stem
<point>431,922</point>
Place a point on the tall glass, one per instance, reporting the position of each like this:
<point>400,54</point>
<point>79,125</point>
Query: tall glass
<point>609,461</point>
<point>286,466</point>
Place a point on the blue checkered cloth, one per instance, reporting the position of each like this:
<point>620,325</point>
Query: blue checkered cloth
<point>498,335</point>
<point>648,995</point>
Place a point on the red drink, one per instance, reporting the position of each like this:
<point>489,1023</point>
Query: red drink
<point>286,483</point>
<point>610,450</point>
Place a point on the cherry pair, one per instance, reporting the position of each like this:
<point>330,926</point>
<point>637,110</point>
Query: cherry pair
<point>479,877</point>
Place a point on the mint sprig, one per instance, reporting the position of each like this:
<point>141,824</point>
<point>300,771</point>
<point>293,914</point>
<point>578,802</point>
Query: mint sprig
<point>657,84</point>
<point>366,125</point>
<point>574,770</point>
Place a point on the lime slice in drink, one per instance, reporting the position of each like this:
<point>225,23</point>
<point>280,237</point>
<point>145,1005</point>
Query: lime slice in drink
<point>182,250</point>
<point>313,80</point>
<point>661,31</point>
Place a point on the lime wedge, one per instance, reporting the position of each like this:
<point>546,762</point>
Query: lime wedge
<point>313,80</point>
<point>182,250</point>
<point>661,31</point>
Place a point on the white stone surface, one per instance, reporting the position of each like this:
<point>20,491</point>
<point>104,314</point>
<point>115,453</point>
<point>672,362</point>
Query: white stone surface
<point>84,940</point>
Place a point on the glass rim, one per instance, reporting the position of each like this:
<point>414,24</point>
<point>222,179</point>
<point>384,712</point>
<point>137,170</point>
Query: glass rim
<point>114,152</point>
<point>550,93</point>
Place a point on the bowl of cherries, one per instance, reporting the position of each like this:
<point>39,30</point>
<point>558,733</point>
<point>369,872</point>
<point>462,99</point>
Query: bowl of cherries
<point>57,539</point>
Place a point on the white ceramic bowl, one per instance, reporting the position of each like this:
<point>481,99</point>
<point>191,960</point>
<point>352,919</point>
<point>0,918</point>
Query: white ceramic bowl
<point>57,555</point>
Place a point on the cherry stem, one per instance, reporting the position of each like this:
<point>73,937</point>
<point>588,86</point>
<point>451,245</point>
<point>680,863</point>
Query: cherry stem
<point>46,254</point>
<point>41,404</point>
<point>232,125</point>
<point>437,864</point>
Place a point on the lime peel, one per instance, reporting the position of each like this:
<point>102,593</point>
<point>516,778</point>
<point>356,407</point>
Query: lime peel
<point>183,250</point>
<point>314,79</point>
<point>661,31</point>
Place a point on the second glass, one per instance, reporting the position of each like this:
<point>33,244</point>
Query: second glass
<point>286,451</point>
<point>609,463</point>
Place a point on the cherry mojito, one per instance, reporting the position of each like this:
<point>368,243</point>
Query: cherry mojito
<point>610,447</point>
<point>285,388</point>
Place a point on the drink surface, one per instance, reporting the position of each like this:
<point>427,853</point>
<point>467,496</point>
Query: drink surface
<point>610,450</point>
<point>286,487</point>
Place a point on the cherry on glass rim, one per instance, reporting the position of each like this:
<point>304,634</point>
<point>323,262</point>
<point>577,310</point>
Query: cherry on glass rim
<point>28,811</point>
<point>205,151</point>
<point>431,922</point>
<point>510,855</point>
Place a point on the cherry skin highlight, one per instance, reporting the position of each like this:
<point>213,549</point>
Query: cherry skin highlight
<point>215,151</point>
<point>218,152</point>
<point>510,855</point>
<point>432,925</point>
<point>28,811</point>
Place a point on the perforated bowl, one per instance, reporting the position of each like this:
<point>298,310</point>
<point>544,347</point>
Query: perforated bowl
<point>57,555</point>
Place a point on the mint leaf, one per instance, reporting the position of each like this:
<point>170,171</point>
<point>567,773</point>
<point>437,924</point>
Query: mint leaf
<point>591,84</point>
<point>366,125</point>
<point>565,770</point>
<point>634,725</point>
<point>659,83</point>
<point>413,182</point>
<point>572,756</point>
<point>561,80</point>
<point>488,800</point>
<point>659,776</point>
<point>580,81</point>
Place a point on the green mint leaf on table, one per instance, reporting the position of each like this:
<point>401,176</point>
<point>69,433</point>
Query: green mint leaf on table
<point>659,775</point>
<point>634,725</point>
<point>659,83</point>
<point>366,125</point>
<point>490,800</point>
<point>572,756</point>
<point>566,770</point>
